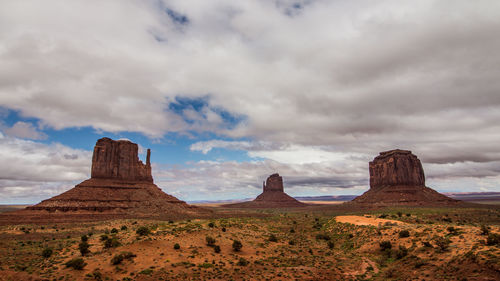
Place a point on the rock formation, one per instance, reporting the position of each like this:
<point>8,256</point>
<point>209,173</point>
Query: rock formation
<point>397,178</point>
<point>273,196</point>
<point>120,184</point>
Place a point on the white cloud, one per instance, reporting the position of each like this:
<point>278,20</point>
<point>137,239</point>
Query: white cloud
<point>24,130</point>
<point>314,84</point>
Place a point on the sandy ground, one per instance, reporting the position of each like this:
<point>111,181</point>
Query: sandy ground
<point>366,220</point>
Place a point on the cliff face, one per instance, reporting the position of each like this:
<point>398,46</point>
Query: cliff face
<point>120,184</point>
<point>119,160</point>
<point>396,168</point>
<point>273,183</point>
<point>397,178</point>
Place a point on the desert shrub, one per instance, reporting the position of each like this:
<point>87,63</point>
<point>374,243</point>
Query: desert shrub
<point>237,245</point>
<point>385,245</point>
<point>111,243</point>
<point>242,262</point>
<point>427,244</point>
<point>217,249</point>
<point>211,224</point>
<point>401,252</point>
<point>404,234</point>
<point>177,246</point>
<point>143,231</point>
<point>452,230</point>
<point>47,252</point>
<point>210,241</point>
<point>104,237</point>
<point>330,244</point>
<point>114,230</point>
<point>170,221</point>
<point>117,259</point>
<point>84,238</point>
<point>291,242</point>
<point>273,238</point>
<point>408,215</point>
<point>485,230</point>
<point>400,214</point>
<point>493,239</point>
<point>292,230</point>
<point>77,263</point>
<point>124,227</point>
<point>84,248</point>
<point>106,231</point>
<point>442,243</point>
<point>223,229</point>
<point>323,236</point>
<point>383,216</point>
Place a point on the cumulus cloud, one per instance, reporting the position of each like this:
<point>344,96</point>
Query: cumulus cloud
<point>310,81</point>
<point>32,171</point>
<point>24,130</point>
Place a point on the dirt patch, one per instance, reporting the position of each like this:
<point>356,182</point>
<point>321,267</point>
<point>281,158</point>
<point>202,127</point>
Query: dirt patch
<point>366,220</point>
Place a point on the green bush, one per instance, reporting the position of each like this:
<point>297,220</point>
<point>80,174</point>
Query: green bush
<point>291,242</point>
<point>84,248</point>
<point>217,249</point>
<point>273,238</point>
<point>442,243</point>
<point>104,237</point>
<point>177,246</point>
<point>114,230</point>
<point>402,252</point>
<point>223,229</point>
<point>404,234</point>
<point>124,227</point>
<point>242,262</point>
<point>331,244</point>
<point>77,263</point>
<point>117,259</point>
<point>237,245</point>
<point>211,224</point>
<point>323,236</point>
<point>84,238</point>
<point>493,239</point>
<point>143,231</point>
<point>47,252</point>
<point>210,241</point>
<point>111,243</point>
<point>385,245</point>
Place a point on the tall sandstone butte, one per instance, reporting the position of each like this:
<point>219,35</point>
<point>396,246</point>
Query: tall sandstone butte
<point>272,196</point>
<point>397,178</point>
<point>120,184</point>
<point>119,160</point>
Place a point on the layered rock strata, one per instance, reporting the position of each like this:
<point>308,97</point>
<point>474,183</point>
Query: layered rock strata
<point>120,183</point>
<point>397,178</point>
<point>273,196</point>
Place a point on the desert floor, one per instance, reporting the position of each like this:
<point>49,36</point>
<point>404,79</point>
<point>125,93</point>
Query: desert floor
<point>301,244</point>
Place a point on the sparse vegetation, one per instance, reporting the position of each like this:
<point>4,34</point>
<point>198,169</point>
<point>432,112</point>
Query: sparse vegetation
<point>47,252</point>
<point>177,246</point>
<point>77,263</point>
<point>273,238</point>
<point>493,239</point>
<point>84,248</point>
<point>404,234</point>
<point>210,241</point>
<point>143,231</point>
<point>237,245</point>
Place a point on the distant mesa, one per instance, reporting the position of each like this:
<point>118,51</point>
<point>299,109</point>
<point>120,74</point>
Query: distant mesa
<point>397,178</point>
<point>120,184</point>
<point>273,196</point>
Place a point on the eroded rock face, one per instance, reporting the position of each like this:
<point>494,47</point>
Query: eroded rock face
<point>273,183</point>
<point>272,196</point>
<point>397,178</point>
<point>396,168</point>
<point>119,160</point>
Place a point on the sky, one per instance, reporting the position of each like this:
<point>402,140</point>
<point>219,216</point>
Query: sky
<point>228,92</point>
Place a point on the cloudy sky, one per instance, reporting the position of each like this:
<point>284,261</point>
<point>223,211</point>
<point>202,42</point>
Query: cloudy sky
<point>227,92</point>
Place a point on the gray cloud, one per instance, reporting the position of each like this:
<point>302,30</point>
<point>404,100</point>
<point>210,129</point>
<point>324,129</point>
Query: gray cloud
<point>345,77</point>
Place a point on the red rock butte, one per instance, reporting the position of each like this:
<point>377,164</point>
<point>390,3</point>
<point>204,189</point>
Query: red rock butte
<point>273,196</point>
<point>120,184</point>
<point>397,178</point>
